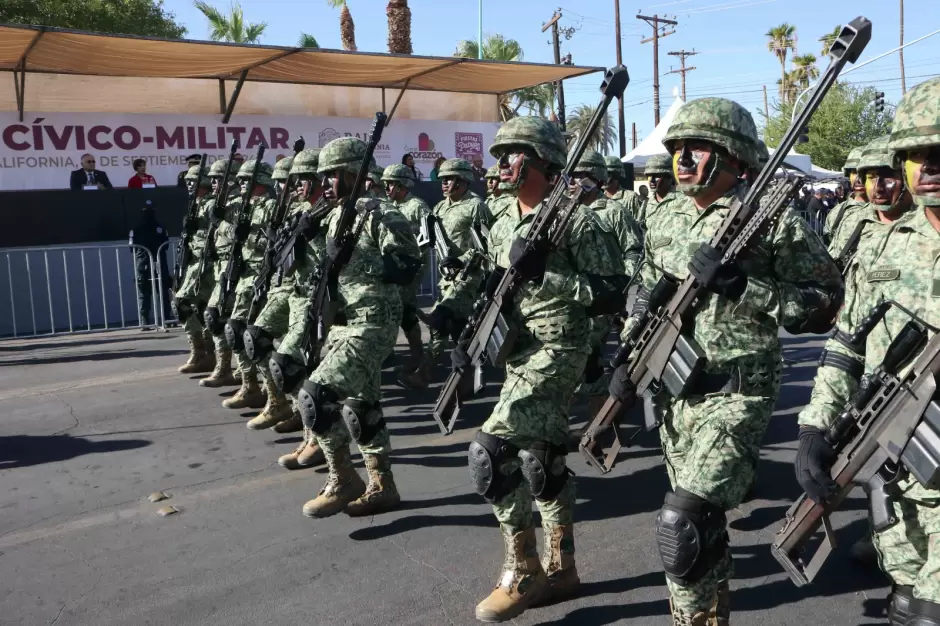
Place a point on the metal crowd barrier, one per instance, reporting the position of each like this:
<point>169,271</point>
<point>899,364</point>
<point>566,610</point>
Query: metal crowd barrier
<point>56,291</point>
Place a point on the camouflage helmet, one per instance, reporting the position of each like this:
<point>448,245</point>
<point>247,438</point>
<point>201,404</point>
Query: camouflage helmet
<point>343,153</point>
<point>217,169</point>
<point>876,154</point>
<point>492,172</point>
<point>401,174</point>
<point>264,172</point>
<point>594,164</point>
<point>282,168</point>
<point>658,164</point>
<point>851,162</point>
<point>305,162</point>
<point>536,133</point>
<point>722,122</point>
<point>375,173</point>
<point>614,167</point>
<point>917,118</point>
<point>460,168</point>
<point>763,154</point>
<point>193,175</point>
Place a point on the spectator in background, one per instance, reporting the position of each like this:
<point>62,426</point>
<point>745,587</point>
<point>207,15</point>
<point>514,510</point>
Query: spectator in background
<point>149,234</point>
<point>437,167</point>
<point>409,161</point>
<point>140,177</point>
<point>644,192</point>
<point>88,176</point>
<point>191,161</point>
<point>815,207</point>
<point>479,172</point>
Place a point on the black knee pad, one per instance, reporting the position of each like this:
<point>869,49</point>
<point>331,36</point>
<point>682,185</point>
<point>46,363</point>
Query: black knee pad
<point>182,308</point>
<point>923,613</point>
<point>692,536</point>
<point>543,467</point>
<point>594,368</point>
<point>440,318</point>
<point>235,334</point>
<point>357,416</point>
<point>319,406</point>
<point>457,324</point>
<point>258,343</point>
<point>286,372</point>
<point>213,319</point>
<point>899,607</point>
<point>487,453</point>
<point>409,318</point>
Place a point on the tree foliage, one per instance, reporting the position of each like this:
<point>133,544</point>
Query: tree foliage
<point>307,41</point>
<point>845,120</point>
<point>231,27</point>
<point>127,17</point>
<point>603,139</point>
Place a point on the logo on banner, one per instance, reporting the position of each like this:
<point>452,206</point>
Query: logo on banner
<point>426,149</point>
<point>469,146</point>
<point>382,151</point>
<point>327,135</point>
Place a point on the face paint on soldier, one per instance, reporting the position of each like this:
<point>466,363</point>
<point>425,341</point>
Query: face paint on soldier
<point>453,187</point>
<point>922,175</point>
<point>216,183</point>
<point>492,187</point>
<point>886,192</point>
<point>692,162</point>
<point>583,183</point>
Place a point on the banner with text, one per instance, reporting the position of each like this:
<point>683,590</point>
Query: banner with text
<point>41,151</point>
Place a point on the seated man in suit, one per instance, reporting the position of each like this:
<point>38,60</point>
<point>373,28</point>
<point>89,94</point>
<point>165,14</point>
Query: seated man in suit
<point>88,176</point>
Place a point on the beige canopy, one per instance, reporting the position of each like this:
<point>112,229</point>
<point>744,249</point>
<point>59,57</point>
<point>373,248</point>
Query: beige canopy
<point>38,49</point>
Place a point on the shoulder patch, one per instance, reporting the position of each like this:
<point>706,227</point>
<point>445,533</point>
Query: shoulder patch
<point>884,275</point>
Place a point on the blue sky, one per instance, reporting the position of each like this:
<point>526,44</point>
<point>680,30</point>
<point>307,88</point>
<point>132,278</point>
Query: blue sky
<point>733,59</point>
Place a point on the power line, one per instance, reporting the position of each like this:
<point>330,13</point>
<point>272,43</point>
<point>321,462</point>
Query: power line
<point>655,21</point>
<point>682,54</point>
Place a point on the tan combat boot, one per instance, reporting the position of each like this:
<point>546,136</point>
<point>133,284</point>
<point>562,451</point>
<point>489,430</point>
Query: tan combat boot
<point>681,618</point>
<point>381,495</point>
<point>558,562</point>
<point>307,454</point>
<point>221,376</point>
<point>721,611</point>
<point>200,361</point>
<point>248,396</point>
<point>293,424</point>
<point>276,410</point>
<point>343,485</point>
<point>522,582</point>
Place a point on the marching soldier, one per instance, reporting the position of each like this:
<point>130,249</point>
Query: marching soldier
<point>615,190</point>
<point>897,262</point>
<point>196,288</point>
<point>658,172</point>
<point>857,197</point>
<point>492,184</point>
<point>399,180</point>
<point>520,451</point>
<point>458,289</point>
<point>712,434</point>
<point>224,215</point>
<point>339,402</point>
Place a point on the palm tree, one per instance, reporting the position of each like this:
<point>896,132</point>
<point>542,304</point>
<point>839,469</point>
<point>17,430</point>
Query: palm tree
<point>231,27</point>
<point>497,48</point>
<point>782,39</point>
<point>603,138</point>
<point>399,27</point>
<point>804,70</point>
<point>347,29</point>
<point>828,39</point>
<point>307,41</point>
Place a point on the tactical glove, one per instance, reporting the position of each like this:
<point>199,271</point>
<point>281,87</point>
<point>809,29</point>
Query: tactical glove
<point>440,318</point>
<point>451,264</point>
<point>528,262</point>
<point>727,279</point>
<point>308,226</point>
<point>459,357</point>
<point>337,252</point>
<point>813,461</point>
<point>621,387</point>
<point>242,230</point>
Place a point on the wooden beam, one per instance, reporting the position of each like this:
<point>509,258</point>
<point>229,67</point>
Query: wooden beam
<point>231,103</point>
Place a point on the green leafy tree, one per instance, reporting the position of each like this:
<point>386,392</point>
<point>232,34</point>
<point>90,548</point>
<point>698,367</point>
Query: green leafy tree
<point>828,39</point>
<point>603,139</point>
<point>126,17</point>
<point>780,40</point>
<point>231,27</point>
<point>845,120</point>
<point>804,70</point>
<point>307,41</point>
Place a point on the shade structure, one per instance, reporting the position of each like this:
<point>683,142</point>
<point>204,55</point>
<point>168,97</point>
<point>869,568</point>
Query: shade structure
<point>61,51</point>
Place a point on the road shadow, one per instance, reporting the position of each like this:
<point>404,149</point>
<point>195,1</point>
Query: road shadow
<point>102,341</point>
<point>93,356</point>
<point>417,522</point>
<point>605,614</point>
<point>28,450</point>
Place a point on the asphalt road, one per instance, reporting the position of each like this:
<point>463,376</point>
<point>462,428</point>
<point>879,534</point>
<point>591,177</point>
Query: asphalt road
<point>91,425</point>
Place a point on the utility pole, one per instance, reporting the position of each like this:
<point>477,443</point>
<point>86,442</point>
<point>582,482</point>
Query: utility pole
<point>634,135</point>
<point>901,52</point>
<point>620,118</point>
<point>766,108</point>
<point>682,54</point>
<point>553,24</point>
<point>655,21</point>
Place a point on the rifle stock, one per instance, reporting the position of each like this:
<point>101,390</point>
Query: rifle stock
<point>655,362</point>
<point>182,246</point>
<point>221,198</point>
<point>233,268</point>
<point>546,231</point>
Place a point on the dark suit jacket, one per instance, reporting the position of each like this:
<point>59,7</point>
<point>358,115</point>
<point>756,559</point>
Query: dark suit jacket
<point>80,179</point>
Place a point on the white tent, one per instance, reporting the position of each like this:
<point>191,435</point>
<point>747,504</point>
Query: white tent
<point>653,143</point>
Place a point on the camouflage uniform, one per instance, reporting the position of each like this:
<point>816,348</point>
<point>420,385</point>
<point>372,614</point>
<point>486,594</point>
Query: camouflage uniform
<point>627,198</point>
<point>196,288</point>
<point>657,165</point>
<point>844,208</point>
<point>457,293</point>
<point>543,369</point>
<point>415,211</point>
<point>222,247</point>
<point>340,400</point>
<point>896,263</point>
<point>711,437</point>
